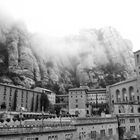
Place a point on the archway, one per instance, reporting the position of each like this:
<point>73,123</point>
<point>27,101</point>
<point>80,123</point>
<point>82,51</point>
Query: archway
<point>118,97</point>
<point>131,94</point>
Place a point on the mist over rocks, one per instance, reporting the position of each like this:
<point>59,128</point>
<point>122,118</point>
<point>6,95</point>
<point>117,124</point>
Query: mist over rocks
<point>93,57</point>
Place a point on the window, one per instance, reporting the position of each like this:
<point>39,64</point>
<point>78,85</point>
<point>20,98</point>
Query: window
<point>139,110</point>
<point>82,135</point>
<point>132,120</point>
<point>122,121</point>
<point>22,94</point>
<point>9,98</point>
<point>118,97</point>
<point>93,134</point>
<point>76,100</point>
<point>5,90</point>
<point>138,98</point>
<point>132,109</point>
<point>68,137</point>
<point>76,106</point>
<point>102,132</point>
<point>53,137</point>
<point>49,137</point>
<point>132,128</point>
<point>124,129</point>
<point>4,97</point>
<point>56,138</point>
<point>124,94</point>
<point>32,139</point>
<point>87,111</point>
<point>110,131</point>
<point>131,94</point>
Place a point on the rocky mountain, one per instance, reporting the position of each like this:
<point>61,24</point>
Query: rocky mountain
<point>92,57</point>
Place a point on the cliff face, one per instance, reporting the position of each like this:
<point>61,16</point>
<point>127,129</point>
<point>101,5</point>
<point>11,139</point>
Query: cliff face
<point>87,58</point>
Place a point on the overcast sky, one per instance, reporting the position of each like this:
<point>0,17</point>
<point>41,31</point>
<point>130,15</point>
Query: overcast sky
<point>63,17</point>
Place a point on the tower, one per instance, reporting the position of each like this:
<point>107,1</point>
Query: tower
<point>137,63</point>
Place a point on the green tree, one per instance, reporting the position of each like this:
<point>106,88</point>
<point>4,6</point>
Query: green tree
<point>15,100</point>
<point>57,110</point>
<point>44,102</point>
<point>32,105</point>
<point>36,107</point>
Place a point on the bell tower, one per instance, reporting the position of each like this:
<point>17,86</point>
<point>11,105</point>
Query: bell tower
<point>137,67</point>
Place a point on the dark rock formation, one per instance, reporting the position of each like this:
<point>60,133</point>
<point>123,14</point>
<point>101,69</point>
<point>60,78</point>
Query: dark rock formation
<point>88,58</point>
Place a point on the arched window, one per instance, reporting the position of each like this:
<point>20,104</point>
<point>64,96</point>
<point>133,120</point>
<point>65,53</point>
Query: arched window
<point>131,109</point>
<point>119,111</point>
<point>131,94</point>
<point>118,97</point>
<point>139,110</point>
<point>124,95</point>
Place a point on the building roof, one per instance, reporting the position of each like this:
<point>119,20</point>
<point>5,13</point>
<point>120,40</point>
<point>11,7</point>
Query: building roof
<point>136,51</point>
<point>123,82</point>
<point>94,91</point>
<point>41,89</point>
<point>18,87</point>
<point>79,89</point>
<point>23,88</point>
<point>99,89</point>
<point>88,90</point>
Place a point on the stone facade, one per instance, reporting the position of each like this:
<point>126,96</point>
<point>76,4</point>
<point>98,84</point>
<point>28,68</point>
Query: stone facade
<point>124,100</point>
<point>51,95</point>
<point>14,97</point>
<point>83,101</point>
<point>130,123</point>
<point>124,97</point>
<point>77,101</point>
<point>94,128</point>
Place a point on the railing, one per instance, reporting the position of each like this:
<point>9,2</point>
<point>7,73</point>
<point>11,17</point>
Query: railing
<point>27,129</point>
<point>95,120</point>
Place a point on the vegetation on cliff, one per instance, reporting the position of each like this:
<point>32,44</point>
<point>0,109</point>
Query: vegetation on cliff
<point>96,58</point>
